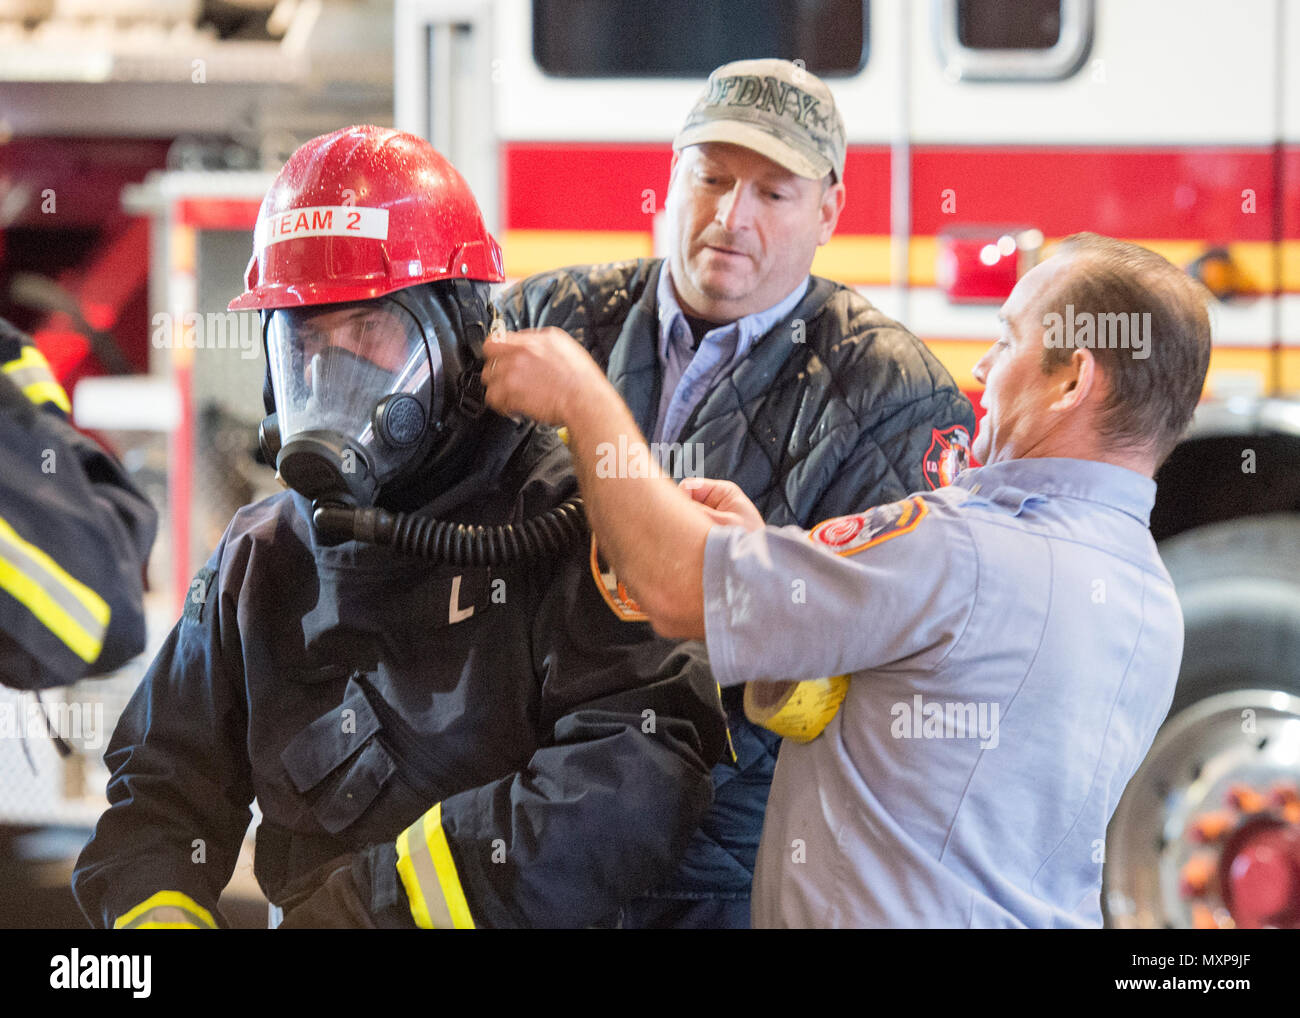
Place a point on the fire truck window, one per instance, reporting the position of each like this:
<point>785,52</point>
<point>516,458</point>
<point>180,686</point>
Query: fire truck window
<point>688,39</point>
<point>1009,24</point>
<point>1012,40</point>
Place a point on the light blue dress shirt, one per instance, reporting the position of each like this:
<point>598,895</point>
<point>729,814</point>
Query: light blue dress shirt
<point>688,375</point>
<point>1013,642</point>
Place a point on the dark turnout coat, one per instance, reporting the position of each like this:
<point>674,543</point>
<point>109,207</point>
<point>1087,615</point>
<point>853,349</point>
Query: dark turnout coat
<point>351,691</point>
<point>75,535</point>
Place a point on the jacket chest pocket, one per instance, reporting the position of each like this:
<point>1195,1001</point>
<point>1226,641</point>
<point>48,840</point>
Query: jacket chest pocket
<point>339,763</point>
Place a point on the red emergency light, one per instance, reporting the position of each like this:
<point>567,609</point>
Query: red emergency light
<point>980,264</point>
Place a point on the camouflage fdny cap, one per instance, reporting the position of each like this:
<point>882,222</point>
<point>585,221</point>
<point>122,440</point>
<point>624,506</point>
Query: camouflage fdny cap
<point>774,107</point>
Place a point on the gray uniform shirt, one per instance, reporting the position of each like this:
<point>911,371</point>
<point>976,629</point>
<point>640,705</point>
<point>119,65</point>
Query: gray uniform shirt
<point>1013,641</point>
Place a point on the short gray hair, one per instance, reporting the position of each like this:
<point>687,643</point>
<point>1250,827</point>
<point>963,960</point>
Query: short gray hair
<point>1151,399</point>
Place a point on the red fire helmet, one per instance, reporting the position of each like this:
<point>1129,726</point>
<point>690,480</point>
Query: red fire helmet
<point>360,213</point>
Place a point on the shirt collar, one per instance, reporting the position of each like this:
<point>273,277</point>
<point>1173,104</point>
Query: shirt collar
<point>1094,481</point>
<point>747,329</point>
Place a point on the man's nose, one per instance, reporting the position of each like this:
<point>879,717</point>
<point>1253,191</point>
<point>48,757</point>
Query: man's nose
<point>734,210</point>
<point>979,370</point>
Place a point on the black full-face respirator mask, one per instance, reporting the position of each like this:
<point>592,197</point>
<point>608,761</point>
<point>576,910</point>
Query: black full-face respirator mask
<point>368,396</point>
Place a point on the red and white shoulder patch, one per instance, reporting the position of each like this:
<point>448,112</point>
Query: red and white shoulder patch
<point>848,535</point>
<point>948,456</point>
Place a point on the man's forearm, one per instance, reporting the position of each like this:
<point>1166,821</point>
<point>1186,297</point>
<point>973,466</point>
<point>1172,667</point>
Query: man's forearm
<point>649,531</point>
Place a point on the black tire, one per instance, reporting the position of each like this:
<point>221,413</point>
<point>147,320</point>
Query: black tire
<point>1239,586</point>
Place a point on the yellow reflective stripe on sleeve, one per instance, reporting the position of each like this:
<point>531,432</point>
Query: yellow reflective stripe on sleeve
<point>48,392</point>
<point>30,371</point>
<point>448,878</point>
<point>429,875</point>
<point>416,870</point>
<point>63,604</point>
<point>170,910</point>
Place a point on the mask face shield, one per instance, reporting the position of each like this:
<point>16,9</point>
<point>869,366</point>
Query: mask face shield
<point>356,387</point>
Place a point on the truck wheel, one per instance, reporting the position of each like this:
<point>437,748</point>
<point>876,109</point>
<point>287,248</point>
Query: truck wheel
<point>1239,585</point>
<point>1183,847</point>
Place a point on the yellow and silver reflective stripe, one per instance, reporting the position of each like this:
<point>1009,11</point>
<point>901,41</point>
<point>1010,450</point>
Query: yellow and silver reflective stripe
<point>30,371</point>
<point>167,910</point>
<point>63,604</point>
<point>428,873</point>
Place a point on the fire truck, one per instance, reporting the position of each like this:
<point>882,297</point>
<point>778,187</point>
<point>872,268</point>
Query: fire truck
<point>980,131</point>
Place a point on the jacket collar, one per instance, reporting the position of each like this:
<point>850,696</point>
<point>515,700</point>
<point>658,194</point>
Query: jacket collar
<point>634,360</point>
<point>746,331</point>
<point>756,372</point>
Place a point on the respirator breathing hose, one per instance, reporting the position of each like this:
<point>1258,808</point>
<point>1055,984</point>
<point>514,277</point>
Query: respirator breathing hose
<point>457,544</point>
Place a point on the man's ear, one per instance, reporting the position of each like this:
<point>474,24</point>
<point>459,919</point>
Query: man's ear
<point>1076,381</point>
<point>831,206</point>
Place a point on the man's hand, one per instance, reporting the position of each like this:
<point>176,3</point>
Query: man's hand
<point>358,891</point>
<point>327,898</point>
<point>723,502</point>
<point>540,373</point>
